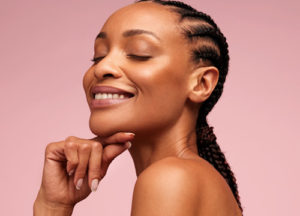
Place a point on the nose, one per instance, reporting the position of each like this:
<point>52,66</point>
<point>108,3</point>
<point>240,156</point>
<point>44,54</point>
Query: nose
<point>107,68</point>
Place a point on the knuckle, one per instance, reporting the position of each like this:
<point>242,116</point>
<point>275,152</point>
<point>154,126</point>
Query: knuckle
<point>71,138</point>
<point>50,147</point>
<point>84,147</point>
<point>69,144</point>
<point>80,173</point>
<point>96,146</point>
<point>95,171</point>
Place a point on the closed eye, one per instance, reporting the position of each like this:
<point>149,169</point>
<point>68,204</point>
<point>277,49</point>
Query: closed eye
<point>139,58</point>
<point>95,60</point>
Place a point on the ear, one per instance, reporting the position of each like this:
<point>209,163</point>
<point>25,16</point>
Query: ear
<point>203,81</point>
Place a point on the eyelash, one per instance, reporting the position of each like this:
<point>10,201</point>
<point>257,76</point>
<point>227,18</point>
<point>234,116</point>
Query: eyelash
<point>96,59</point>
<point>135,57</point>
<point>139,58</point>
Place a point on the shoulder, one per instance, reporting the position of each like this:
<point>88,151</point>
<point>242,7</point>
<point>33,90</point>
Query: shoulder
<point>174,186</point>
<point>164,188</point>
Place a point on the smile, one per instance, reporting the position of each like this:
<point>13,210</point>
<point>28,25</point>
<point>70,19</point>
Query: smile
<point>103,96</point>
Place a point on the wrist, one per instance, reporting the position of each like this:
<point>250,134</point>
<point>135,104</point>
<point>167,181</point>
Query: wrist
<point>42,207</point>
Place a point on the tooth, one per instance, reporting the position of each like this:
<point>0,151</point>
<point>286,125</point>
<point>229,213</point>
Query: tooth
<point>97,96</point>
<point>100,96</point>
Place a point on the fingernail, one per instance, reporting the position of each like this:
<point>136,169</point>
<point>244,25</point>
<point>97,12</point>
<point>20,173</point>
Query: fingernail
<point>71,172</point>
<point>130,134</point>
<point>128,144</point>
<point>95,183</point>
<point>79,183</point>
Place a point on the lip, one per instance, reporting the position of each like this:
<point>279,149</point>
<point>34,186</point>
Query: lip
<point>108,102</point>
<point>109,89</point>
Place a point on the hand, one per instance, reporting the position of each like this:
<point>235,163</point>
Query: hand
<point>74,167</point>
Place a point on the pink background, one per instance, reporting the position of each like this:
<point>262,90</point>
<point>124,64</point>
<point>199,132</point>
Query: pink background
<point>46,47</point>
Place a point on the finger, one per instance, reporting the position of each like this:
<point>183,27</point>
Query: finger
<point>120,137</point>
<point>84,150</point>
<point>55,151</point>
<point>110,152</point>
<point>94,172</point>
<point>70,150</point>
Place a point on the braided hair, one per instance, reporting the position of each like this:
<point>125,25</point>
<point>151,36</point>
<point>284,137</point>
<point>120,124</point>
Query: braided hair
<point>211,48</point>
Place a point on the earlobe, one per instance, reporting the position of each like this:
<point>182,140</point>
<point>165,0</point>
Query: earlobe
<point>203,81</point>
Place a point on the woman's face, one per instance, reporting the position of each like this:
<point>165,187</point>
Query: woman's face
<point>140,50</point>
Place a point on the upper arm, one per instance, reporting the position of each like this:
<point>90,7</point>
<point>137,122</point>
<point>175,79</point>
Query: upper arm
<point>165,189</point>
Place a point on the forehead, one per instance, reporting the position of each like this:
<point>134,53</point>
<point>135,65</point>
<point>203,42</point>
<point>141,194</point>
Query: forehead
<point>147,16</point>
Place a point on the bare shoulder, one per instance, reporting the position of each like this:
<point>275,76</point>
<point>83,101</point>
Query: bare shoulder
<point>174,186</point>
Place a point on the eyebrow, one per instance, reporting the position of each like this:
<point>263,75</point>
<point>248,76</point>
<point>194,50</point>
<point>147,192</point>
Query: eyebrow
<point>130,33</point>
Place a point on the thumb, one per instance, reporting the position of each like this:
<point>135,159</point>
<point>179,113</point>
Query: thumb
<point>110,152</point>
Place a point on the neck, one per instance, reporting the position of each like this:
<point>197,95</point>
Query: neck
<point>177,141</point>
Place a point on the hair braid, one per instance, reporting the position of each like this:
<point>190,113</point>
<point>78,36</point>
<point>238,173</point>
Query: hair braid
<point>198,26</point>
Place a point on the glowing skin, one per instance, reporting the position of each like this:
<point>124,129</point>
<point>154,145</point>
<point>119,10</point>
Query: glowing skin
<point>158,113</point>
<point>141,51</point>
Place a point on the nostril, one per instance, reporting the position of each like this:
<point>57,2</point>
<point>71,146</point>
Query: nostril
<point>108,75</point>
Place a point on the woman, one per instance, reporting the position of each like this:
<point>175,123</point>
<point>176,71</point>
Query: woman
<point>159,68</point>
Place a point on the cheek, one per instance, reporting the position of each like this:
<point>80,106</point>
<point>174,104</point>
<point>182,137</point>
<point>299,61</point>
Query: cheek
<point>162,92</point>
<point>160,79</point>
<point>159,74</point>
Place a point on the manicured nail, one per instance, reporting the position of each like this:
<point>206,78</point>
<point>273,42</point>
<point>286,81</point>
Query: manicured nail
<point>79,184</point>
<point>128,144</point>
<point>71,172</point>
<point>130,134</point>
<point>95,183</point>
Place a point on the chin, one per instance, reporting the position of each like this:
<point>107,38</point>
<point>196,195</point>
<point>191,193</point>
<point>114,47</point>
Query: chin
<point>104,126</point>
<point>101,128</point>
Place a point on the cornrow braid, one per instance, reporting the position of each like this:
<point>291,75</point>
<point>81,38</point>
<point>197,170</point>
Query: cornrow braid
<point>200,27</point>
